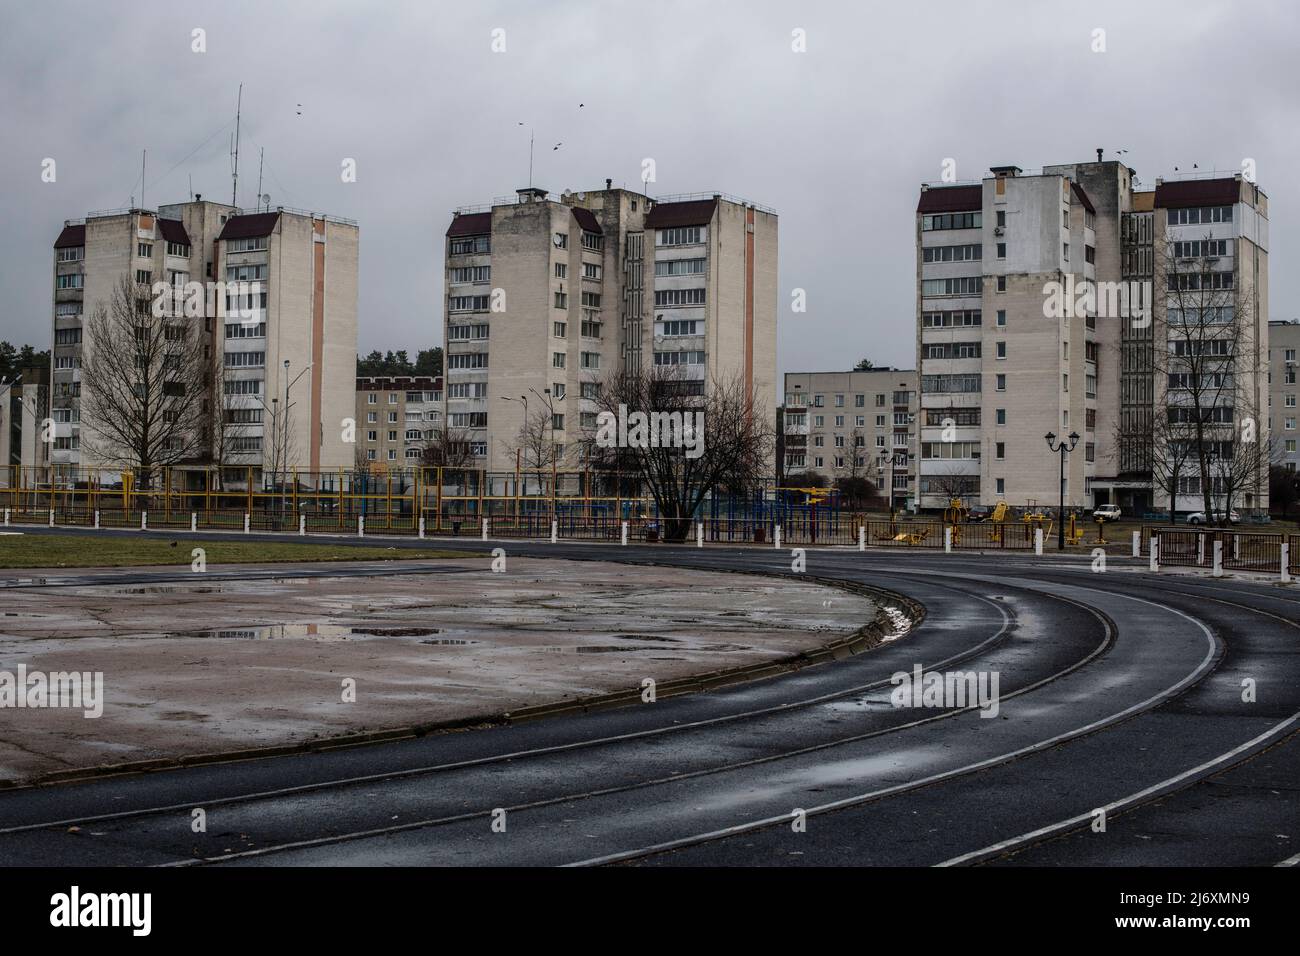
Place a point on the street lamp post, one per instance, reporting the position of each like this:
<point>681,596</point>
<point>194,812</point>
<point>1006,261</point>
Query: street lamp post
<point>1061,449</point>
<point>887,459</point>
<point>284,446</point>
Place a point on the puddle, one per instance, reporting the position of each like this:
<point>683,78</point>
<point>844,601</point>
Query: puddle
<point>269,632</point>
<point>589,649</point>
<point>397,632</point>
<point>645,637</point>
<point>166,589</point>
<point>449,642</point>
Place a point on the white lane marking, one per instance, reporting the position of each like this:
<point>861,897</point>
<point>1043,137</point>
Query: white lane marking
<point>996,848</point>
<point>846,802</point>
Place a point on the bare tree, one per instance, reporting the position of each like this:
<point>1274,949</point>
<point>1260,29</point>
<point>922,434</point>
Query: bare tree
<point>953,483</point>
<point>699,438</point>
<point>228,424</point>
<point>536,445</point>
<point>856,472</point>
<point>144,381</point>
<point>447,448</point>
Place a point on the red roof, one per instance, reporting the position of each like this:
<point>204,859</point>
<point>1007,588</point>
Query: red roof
<point>951,199</point>
<point>70,237</point>
<point>587,220</point>
<point>695,212</point>
<point>250,227</point>
<point>1083,197</point>
<point>173,230</point>
<point>471,224</point>
<point>1198,192</point>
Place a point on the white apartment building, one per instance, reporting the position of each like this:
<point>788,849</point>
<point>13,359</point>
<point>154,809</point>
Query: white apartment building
<point>546,297</point>
<point>294,346</point>
<point>853,424</point>
<point>1031,292</point>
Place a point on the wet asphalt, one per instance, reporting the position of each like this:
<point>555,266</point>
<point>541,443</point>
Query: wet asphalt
<point>1162,706</point>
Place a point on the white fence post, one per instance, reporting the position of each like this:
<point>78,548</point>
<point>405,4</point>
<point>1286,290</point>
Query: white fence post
<point>1155,553</point>
<point>1286,563</point>
<point>51,517</point>
<point>96,519</point>
<point>776,538</point>
<point>486,521</point>
<point>361,526</point>
<point>421,531</point>
<point>862,538</point>
<point>624,536</point>
<point>194,521</point>
<point>7,517</point>
<point>1200,548</point>
<point>248,522</point>
<point>555,531</point>
<point>699,534</point>
<point>1038,542</point>
<point>947,540</point>
<point>302,525</point>
<point>1218,559</point>
<point>1137,544</point>
<point>144,521</point>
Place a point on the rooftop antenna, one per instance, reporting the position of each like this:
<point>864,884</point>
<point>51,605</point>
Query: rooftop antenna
<point>234,175</point>
<point>143,154</point>
<point>191,175</point>
<point>260,159</point>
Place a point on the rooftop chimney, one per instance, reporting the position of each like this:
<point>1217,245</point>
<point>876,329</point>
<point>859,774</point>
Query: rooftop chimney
<point>609,183</point>
<point>1099,155</point>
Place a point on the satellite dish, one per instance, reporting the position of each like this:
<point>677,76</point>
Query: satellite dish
<point>266,199</point>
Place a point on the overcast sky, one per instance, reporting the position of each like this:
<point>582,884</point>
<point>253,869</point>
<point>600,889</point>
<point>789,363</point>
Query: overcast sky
<point>837,139</point>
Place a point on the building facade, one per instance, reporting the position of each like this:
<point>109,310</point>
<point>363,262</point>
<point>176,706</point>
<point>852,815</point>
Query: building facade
<point>546,297</point>
<point>1283,392</point>
<point>281,372</point>
<point>853,424</point>
<point>397,418</point>
<point>1041,309</point>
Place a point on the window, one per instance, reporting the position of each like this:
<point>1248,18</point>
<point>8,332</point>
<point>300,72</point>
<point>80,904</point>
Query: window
<point>591,270</point>
<point>372,399</point>
<point>1194,215</point>
<point>561,300</point>
<point>681,327</point>
<point>559,329</point>
<point>951,319</point>
<point>1001,220</point>
<point>1000,450</point>
<point>949,383</point>
<point>178,249</point>
<point>250,331</point>
<point>591,300</point>
<point>467,333</point>
<point>245,273</point>
<point>467,360</point>
<point>1002,250</point>
<point>1001,484</point>
<point>467,419</point>
<point>591,329</point>
<point>592,241</point>
<point>589,390</point>
<point>1002,350</point>
<point>372,435</point>
<point>467,390</point>
<point>1002,283</point>
<point>669,298</point>
<point>1002,317</point>
<point>859,400</point>
<point>557,359</point>
<point>557,422</point>
<point>144,250</point>
<point>839,401</point>
<point>392,418</point>
<point>372,418</point>
<point>470,245</point>
<point>561,270</point>
<point>558,390</point>
<point>561,240</point>
<point>960,285</point>
<point>683,236</point>
<point>243,416</point>
<point>467,303</point>
<point>243,387</point>
<point>251,244</point>
<point>67,336</point>
<point>245,359</point>
<point>680,267</point>
<point>951,220</point>
<point>144,276</point>
<point>392,398</point>
<point>679,358</point>
<point>1001,384</point>
<point>589,359</point>
<point>472,274</point>
<point>1065,251</point>
<point>1001,416</point>
<point>72,254</point>
<point>947,450</point>
<point>963,253</point>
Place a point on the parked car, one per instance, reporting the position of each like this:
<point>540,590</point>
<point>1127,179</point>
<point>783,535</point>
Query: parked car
<point>1106,513</point>
<point>979,513</point>
<point>1198,517</point>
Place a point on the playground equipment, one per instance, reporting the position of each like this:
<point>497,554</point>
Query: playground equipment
<point>1073,532</point>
